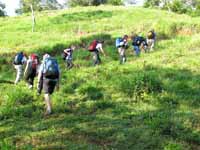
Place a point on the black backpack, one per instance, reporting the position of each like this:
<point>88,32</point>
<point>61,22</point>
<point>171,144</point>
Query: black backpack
<point>137,41</point>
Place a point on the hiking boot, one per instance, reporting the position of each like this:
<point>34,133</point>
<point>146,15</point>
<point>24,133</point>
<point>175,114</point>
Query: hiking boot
<point>47,113</point>
<point>30,87</point>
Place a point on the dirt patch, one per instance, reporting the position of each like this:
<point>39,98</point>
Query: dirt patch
<point>185,31</point>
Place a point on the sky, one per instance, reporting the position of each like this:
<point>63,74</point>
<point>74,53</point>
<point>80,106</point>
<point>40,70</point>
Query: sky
<point>12,5</point>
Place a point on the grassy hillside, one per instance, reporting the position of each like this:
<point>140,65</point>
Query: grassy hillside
<point>150,103</point>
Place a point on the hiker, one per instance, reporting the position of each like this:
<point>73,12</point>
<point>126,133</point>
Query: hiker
<point>96,47</point>
<point>122,45</point>
<point>138,43</point>
<point>19,60</point>
<point>151,39</point>
<point>31,69</point>
<point>67,56</point>
<point>48,79</point>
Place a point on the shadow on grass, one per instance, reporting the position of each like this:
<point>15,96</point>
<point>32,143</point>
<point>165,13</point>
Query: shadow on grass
<point>108,124</point>
<point>6,82</point>
<point>82,45</point>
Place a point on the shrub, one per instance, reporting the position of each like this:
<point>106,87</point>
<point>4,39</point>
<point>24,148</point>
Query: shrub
<point>136,86</point>
<point>93,2</point>
<point>173,146</point>
<point>115,2</point>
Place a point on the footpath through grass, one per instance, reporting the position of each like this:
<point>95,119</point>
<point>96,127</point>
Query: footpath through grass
<point>150,103</point>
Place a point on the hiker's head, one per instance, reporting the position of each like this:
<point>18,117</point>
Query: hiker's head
<point>152,30</point>
<point>73,47</point>
<point>125,37</point>
<point>45,56</point>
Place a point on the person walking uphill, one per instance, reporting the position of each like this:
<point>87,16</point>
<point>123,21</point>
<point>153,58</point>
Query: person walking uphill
<point>138,42</point>
<point>19,60</point>
<point>122,45</point>
<point>67,55</point>
<point>48,79</point>
<point>96,47</point>
<point>151,39</point>
<point>31,69</point>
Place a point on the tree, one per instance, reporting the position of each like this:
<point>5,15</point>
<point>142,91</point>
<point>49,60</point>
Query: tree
<point>25,6</point>
<point>2,7</point>
<point>152,3</point>
<point>50,5</point>
<point>38,5</point>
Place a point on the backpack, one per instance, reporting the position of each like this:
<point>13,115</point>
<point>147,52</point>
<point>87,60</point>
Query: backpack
<point>18,59</point>
<point>51,68</point>
<point>93,45</point>
<point>137,41</point>
<point>35,61</point>
<point>118,42</point>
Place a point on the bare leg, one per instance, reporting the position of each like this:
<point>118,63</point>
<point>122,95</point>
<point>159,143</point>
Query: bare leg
<point>48,103</point>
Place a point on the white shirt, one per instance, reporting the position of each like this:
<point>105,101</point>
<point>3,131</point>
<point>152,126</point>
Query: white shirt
<point>99,46</point>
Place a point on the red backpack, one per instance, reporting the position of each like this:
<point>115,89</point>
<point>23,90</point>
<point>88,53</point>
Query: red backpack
<point>35,61</point>
<point>93,45</point>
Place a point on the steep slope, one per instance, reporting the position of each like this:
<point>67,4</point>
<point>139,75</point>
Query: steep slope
<point>151,102</point>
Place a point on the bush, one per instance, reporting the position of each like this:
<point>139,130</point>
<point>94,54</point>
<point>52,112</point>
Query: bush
<point>151,3</point>
<point>139,85</point>
<point>178,7</point>
<point>85,2</point>
<point>115,2</point>
<point>93,2</point>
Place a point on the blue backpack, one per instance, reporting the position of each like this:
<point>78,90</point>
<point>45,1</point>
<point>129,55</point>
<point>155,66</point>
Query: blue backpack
<point>51,68</point>
<point>18,59</point>
<point>118,41</point>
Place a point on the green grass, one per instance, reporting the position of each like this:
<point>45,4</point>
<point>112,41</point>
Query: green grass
<point>150,103</point>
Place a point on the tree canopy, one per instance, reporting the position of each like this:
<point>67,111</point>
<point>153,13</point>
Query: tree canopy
<point>191,7</point>
<point>38,5</point>
<point>2,7</point>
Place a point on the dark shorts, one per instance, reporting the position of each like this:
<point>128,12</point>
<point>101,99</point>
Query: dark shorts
<point>49,85</point>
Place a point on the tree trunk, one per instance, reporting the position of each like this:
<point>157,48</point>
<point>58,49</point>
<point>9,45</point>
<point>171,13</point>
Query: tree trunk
<point>33,18</point>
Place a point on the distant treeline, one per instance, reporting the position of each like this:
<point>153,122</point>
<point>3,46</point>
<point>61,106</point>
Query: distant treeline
<point>94,2</point>
<point>190,7</point>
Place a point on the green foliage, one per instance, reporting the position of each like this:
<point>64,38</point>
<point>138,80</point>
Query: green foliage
<point>93,2</point>
<point>177,6</point>
<point>37,5</point>
<point>2,7</point>
<point>151,3</point>
<point>25,6</point>
<point>151,99</point>
<point>173,146</point>
<point>115,2</point>
<point>140,84</point>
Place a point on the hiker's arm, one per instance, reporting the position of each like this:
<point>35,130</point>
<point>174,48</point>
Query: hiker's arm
<point>102,51</point>
<point>26,69</point>
<point>40,75</point>
<point>24,60</point>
